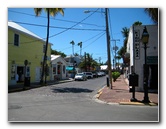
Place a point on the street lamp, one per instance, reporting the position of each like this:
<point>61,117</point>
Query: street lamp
<point>145,39</point>
<point>108,42</point>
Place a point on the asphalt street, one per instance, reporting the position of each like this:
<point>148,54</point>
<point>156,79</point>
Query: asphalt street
<point>73,102</point>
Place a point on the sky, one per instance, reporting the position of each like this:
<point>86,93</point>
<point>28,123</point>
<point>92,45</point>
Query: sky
<point>78,26</point>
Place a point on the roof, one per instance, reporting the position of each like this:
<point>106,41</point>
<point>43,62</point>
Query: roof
<point>20,28</point>
<point>53,57</point>
<point>15,26</point>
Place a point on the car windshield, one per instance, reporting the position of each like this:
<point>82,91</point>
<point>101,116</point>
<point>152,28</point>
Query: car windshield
<point>80,74</point>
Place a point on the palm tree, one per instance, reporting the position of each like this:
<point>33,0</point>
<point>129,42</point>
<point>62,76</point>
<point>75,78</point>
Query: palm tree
<point>52,12</point>
<point>125,33</point>
<point>72,42</point>
<point>153,13</point>
<point>80,44</point>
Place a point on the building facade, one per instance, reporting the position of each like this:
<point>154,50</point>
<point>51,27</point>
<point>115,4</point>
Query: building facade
<point>136,54</point>
<point>25,55</point>
<point>58,68</point>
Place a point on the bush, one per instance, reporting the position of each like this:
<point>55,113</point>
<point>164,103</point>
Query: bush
<point>115,75</point>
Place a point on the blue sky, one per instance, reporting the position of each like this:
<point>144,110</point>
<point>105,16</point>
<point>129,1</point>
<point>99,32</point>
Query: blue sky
<point>89,27</point>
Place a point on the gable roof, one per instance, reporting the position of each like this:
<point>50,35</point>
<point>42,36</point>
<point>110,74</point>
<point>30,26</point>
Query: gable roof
<point>21,29</point>
<point>54,57</point>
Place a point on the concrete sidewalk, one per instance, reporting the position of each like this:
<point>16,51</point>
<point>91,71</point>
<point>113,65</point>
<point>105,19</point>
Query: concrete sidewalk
<point>21,87</point>
<point>120,94</point>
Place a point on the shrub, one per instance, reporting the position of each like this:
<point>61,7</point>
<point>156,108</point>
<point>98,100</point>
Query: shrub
<point>115,75</point>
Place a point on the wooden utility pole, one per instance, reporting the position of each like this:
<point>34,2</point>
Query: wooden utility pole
<point>108,47</point>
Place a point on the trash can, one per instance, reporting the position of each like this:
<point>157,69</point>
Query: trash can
<point>27,81</point>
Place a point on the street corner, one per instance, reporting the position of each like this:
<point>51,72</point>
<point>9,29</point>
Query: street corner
<point>99,92</point>
<point>137,103</point>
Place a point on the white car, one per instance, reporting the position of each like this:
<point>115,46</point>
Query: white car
<point>88,74</point>
<point>80,76</point>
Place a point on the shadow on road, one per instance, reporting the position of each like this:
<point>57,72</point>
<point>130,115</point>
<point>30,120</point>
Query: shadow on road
<point>71,90</point>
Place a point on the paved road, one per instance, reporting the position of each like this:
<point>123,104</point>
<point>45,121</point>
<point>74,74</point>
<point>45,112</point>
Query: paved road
<point>73,101</point>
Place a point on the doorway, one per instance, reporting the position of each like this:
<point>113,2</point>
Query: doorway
<point>20,73</point>
<point>153,77</point>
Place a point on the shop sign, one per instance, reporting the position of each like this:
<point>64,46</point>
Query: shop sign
<point>137,44</point>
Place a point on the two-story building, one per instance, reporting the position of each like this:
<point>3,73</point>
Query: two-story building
<point>25,54</point>
<point>136,54</point>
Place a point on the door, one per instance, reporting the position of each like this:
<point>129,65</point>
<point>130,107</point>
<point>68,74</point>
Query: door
<point>37,74</point>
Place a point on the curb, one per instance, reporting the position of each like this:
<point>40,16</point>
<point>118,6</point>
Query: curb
<point>138,103</point>
<point>37,86</point>
<point>122,103</point>
<point>99,92</point>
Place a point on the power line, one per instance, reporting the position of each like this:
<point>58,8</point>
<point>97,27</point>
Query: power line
<point>56,27</point>
<point>83,41</point>
<point>63,30</point>
<point>93,41</point>
<point>56,19</point>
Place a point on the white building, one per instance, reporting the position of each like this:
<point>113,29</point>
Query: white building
<point>58,67</point>
<point>135,50</point>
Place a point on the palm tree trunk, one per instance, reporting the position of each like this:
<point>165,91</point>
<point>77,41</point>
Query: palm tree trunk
<point>45,53</point>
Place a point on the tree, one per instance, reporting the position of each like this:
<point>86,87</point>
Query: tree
<point>88,62</point>
<point>58,53</point>
<point>80,44</point>
<point>52,12</point>
<point>153,14</point>
<point>137,23</point>
<point>125,32</point>
<point>72,42</point>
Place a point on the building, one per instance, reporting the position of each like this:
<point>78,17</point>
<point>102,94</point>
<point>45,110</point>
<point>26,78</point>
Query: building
<point>135,53</point>
<point>72,65</point>
<point>58,68</point>
<point>25,55</point>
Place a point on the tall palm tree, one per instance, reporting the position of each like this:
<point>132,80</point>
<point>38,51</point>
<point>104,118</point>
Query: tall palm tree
<point>80,44</point>
<point>153,13</point>
<point>52,12</point>
<point>125,33</point>
<point>72,42</point>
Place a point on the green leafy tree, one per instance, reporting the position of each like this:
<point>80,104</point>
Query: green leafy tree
<point>88,62</point>
<point>52,12</point>
<point>153,14</point>
<point>58,53</point>
<point>137,23</point>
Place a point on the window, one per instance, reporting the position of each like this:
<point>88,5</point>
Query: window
<point>44,48</point>
<point>16,40</point>
<point>54,68</point>
<point>64,69</point>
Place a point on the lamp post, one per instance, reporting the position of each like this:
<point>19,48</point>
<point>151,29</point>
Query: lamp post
<point>145,39</point>
<point>108,43</point>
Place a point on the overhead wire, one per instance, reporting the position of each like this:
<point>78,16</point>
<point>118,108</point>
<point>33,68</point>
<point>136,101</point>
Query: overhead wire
<point>63,30</point>
<point>56,19</point>
<point>56,26</point>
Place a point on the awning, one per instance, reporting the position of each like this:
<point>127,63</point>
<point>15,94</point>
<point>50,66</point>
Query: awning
<point>69,68</point>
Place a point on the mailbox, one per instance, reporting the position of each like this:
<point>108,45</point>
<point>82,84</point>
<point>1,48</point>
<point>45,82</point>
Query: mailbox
<point>133,79</point>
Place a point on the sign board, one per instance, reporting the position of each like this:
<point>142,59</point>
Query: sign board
<point>152,59</point>
<point>136,37</point>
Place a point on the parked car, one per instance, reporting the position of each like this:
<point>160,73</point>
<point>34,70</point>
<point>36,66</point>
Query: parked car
<point>88,74</point>
<point>99,74</point>
<point>80,76</point>
<point>94,74</point>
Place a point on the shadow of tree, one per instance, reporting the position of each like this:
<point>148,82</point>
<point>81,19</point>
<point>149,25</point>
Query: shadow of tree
<point>71,90</point>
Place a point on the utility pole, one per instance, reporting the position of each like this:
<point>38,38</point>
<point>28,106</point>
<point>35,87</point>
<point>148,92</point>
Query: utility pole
<point>108,47</point>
